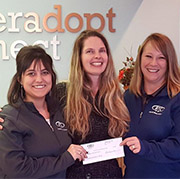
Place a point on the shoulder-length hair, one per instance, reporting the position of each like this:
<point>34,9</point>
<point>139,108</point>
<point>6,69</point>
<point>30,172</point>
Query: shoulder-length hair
<point>78,108</point>
<point>25,57</point>
<point>163,44</point>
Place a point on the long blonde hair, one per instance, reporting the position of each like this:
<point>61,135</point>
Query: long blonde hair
<point>164,44</point>
<point>78,108</point>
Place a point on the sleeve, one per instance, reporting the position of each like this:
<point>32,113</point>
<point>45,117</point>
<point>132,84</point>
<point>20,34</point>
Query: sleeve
<point>16,164</point>
<point>168,149</point>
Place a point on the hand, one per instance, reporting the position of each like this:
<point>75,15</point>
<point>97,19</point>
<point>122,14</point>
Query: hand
<point>133,143</point>
<point>1,120</point>
<point>77,152</point>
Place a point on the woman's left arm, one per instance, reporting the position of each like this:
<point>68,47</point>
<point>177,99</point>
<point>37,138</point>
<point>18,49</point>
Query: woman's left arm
<point>166,150</point>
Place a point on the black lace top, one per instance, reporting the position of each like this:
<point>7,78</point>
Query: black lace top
<point>99,131</point>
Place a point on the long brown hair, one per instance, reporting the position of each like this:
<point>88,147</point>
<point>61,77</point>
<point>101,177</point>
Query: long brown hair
<point>164,44</point>
<point>78,108</point>
<point>24,59</point>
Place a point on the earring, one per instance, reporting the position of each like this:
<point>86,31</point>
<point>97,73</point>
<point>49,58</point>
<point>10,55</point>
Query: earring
<point>22,92</point>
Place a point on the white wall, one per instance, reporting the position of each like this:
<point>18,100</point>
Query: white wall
<point>135,19</point>
<point>161,16</point>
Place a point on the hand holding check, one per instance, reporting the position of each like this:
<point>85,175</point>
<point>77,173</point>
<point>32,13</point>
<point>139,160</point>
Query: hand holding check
<point>103,150</point>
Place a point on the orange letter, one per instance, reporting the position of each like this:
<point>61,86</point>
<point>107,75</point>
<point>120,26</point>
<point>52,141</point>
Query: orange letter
<point>90,17</point>
<point>67,22</point>
<point>57,17</point>
<point>110,15</point>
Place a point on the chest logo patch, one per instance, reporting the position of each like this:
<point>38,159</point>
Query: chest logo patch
<point>157,109</point>
<point>60,126</point>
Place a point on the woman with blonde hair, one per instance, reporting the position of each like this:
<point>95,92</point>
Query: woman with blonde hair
<point>94,109</point>
<point>153,142</point>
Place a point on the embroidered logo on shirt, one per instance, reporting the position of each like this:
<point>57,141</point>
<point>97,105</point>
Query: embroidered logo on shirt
<point>60,126</point>
<point>157,109</point>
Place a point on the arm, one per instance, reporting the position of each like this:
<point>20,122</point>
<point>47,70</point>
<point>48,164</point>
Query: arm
<point>15,162</point>
<point>166,150</point>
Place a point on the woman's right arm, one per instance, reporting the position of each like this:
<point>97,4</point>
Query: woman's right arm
<point>15,162</point>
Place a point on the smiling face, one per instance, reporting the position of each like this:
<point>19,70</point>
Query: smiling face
<point>153,66</point>
<point>36,81</point>
<point>94,57</point>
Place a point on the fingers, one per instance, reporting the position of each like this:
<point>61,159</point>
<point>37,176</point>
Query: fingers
<point>83,154</point>
<point>133,143</point>
<point>1,121</point>
<point>77,152</point>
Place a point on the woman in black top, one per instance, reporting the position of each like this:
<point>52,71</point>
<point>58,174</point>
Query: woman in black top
<point>94,109</point>
<point>35,142</point>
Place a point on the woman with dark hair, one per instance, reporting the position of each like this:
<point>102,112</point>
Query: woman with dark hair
<point>34,142</point>
<point>93,103</point>
<point>153,100</point>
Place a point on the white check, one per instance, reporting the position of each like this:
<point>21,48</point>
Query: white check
<point>103,150</point>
